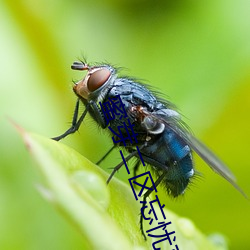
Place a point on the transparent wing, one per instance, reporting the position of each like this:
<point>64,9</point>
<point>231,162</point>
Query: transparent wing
<point>211,159</point>
<point>176,125</point>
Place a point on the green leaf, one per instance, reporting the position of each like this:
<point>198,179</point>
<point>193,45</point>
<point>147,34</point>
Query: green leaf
<point>106,215</point>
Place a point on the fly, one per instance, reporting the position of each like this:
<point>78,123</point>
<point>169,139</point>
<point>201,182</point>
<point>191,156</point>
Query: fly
<point>164,141</point>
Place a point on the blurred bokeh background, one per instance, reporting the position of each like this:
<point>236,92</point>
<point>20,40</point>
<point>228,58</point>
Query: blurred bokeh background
<point>195,52</point>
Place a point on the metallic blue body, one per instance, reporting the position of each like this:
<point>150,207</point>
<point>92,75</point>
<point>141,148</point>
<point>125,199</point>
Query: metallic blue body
<point>166,152</point>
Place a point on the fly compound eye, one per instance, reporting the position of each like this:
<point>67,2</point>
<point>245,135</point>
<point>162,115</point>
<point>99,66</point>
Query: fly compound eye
<point>97,79</point>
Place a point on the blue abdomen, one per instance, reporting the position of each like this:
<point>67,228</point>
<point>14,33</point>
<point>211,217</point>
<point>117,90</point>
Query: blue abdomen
<point>173,159</point>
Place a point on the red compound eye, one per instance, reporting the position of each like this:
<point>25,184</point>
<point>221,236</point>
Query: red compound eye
<point>97,79</point>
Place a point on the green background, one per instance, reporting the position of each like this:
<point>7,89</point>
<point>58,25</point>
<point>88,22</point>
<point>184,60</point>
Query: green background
<point>196,53</point>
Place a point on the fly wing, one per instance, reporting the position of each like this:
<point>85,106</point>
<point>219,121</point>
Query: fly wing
<point>208,156</point>
<point>175,124</point>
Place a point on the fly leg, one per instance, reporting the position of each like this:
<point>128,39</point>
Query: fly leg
<point>136,167</point>
<point>105,155</point>
<point>120,165</point>
<point>75,124</point>
<point>145,196</point>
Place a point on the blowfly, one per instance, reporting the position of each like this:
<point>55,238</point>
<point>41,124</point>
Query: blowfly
<point>165,143</point>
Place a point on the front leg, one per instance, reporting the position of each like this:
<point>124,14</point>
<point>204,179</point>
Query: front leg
<point>75,124</point>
